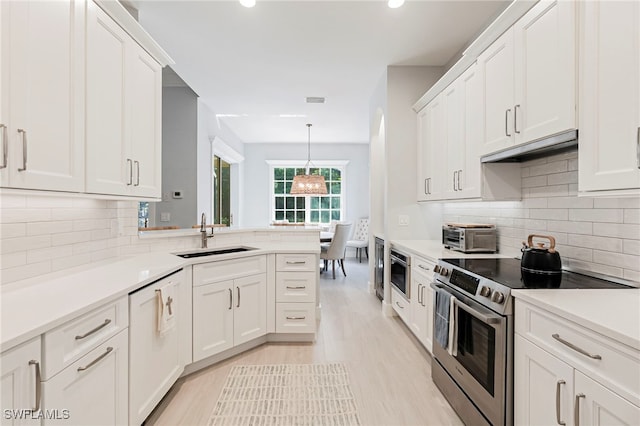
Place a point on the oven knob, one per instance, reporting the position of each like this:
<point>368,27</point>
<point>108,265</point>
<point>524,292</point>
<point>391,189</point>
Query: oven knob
<point>436,269</point>
<point>485,291</point>
<point>497,297</point>
<point>444,272</point>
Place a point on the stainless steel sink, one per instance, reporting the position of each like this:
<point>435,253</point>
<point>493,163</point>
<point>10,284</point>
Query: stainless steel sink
<point>215,252</point>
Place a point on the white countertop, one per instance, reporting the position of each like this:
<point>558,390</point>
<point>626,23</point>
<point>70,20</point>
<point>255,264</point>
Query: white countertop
<point>31,307</point>
<point>612,313</point>
<point>434,250</point>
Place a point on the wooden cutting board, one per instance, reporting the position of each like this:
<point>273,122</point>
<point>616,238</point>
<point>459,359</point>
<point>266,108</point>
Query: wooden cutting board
<point>470,225</point>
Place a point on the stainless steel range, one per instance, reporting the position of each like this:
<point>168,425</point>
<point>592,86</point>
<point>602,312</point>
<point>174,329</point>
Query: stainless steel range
<point>474,368</point>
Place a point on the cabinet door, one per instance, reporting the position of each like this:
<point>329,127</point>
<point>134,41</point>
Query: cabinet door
<point>496,65</point>
<point>543,386</point>
<point>422,190</point>
<point>609,96</point>
<point>144,87</point>
<point>18,381</point>
<point>598,405</point>
<point>250,308</point>
<point>46,131</point>
<point>420,309</point>
<point>4,94</point>
<point>432,162</point>
<point>453,134</point>
<point>108,172</point>
<point>212,319</point>
<point>154,359</point>
<point>545,71</point>
<point>94,388</point>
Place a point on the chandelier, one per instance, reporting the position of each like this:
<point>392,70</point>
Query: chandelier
<point>308,184</point>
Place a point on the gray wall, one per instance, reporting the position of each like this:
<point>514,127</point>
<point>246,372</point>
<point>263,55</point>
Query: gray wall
<point>255,206</point>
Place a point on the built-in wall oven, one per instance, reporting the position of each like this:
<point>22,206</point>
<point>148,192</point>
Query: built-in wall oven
<point>400,275</point>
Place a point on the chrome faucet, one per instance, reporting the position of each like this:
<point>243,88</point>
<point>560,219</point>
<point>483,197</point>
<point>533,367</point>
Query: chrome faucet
<point>203,231</point>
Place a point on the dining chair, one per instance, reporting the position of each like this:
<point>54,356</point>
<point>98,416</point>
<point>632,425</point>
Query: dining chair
<point>360,238</point>
<point>336,249</point>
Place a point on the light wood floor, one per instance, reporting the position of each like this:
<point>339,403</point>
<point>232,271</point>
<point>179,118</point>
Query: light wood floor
<point>390,372</point>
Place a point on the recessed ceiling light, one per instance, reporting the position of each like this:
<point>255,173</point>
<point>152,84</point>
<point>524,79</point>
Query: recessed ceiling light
<point>315,99</point>
<point>292,115</point>
<point>248,3</point>
<point>394,4</point>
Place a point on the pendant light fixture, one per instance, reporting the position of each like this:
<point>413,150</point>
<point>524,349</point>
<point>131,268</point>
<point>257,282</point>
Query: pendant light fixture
<point>308,184</point>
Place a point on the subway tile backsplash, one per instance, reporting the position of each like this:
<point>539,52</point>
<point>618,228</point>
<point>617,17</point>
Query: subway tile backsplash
<point>597,234</point>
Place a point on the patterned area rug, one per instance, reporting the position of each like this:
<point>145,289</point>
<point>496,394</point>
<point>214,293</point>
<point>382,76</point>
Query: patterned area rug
<point>286,394</point>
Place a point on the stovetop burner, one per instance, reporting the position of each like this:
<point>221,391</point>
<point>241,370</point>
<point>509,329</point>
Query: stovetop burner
<point>507,272</point>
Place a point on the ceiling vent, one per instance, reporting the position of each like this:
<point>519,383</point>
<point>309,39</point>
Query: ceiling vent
<point>315,100</point>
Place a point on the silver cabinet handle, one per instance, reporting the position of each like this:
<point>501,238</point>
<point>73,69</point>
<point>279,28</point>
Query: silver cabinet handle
<point>637,146</point>
<point>576,409</point>
<point>515,118</point>
<point>459,174</point>
<point>399,306</point>
<point>95,361</point>
<point>506,122</point>
<point>38,384</point>
<point>296,287</point>
<point>130,164</point>
<point>574,347</point>
<point>137,164</point>
<point>426,191</point>
<point>455,188</point>
<point>24,150</point>
<point>296,262</point>
<point>5,148</point>
<point>230,299</point>
<point>238,305</point>
<point>422,291</point>
<point>296,318</point>
<point>558,384</point>
<point>419,291</point>
<point>421,266</point>
<point>90,332</point>
<point>429,186</point>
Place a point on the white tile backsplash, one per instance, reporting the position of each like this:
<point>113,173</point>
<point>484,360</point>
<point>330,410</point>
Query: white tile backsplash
<point>597,234</point>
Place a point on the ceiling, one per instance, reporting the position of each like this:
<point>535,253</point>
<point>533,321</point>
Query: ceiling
<point>255,67</point>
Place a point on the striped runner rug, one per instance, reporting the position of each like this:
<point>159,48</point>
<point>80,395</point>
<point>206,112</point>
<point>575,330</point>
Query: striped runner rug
<point>286,394</point>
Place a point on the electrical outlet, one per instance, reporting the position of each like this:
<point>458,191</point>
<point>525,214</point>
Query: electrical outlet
<point>403,220</point>
<point>165,217</point>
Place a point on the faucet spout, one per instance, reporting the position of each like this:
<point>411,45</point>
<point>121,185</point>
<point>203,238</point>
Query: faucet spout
<point>203,223</point>
<point>203,231</point>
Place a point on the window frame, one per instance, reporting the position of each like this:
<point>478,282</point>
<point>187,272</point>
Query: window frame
<point>334,164</point>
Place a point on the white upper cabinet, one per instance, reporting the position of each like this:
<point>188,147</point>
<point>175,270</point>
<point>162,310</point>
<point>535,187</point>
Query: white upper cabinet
<point>529,76</point>
<point>124,90</point>
<point>431,150</point>
<point>609,147</point>
<point>43,95</point>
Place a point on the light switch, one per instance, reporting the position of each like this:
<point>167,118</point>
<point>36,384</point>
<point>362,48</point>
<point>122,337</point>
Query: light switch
<point>165,217</point>
<point>403,220</point>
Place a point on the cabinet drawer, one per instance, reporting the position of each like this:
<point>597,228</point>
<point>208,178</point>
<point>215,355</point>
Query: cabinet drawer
<point>212,272</point>
<point>296,262</point>
<point>296,286</point>
<point>618,367</point>
<point>400,305</point>
<point>295,318</point>
<point>422,266</point>
<point>68,342</point>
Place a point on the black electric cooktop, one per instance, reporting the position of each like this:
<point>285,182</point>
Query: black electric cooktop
<point>506,271</point>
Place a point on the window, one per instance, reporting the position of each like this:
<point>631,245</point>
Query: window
<point>143,214</point>
<point>311,209</point>
<point>221,191</point>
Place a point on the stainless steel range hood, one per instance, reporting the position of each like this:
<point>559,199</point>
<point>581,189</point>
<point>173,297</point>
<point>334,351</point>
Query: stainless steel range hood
<point>535,149</point>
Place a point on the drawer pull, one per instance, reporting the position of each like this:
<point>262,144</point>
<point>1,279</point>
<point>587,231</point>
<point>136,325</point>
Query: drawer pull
<point>230,298</point>
<point>576,409</point>
<point>296,262</point>
<point>24,150</point>
<point>421,266</point>
<point>399,305</point>
<point>296,318</point>
<point>90,332</point>
<point>38,384</point>
<point>574,347</point>
<point>297,287</point>
<point>560,383</point>
<point>95,361</point>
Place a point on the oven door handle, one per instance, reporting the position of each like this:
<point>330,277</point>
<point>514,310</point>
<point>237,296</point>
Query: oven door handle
<point>485,318</point>
<point>398,261</point>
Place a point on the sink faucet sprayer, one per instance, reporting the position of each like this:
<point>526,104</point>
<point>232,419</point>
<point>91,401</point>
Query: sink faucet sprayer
<point>203,231</point>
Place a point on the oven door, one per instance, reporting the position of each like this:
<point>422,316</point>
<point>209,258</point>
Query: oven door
<point>400,270</point>
<point>479,364</point>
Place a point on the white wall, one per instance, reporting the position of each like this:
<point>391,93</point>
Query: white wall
<point>255,203</point>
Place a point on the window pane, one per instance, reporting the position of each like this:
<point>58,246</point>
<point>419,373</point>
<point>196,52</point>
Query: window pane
<point>335,187</point>
<point>290,216</point>
<point>290,173</point>
<point>290,203</point>
<point>324,216</point>
<point>299,171</point>
<point>278,173</point>
<point>279,202</point>
<point>300,216</point>
<point>313,171</point>
<point>287,187</point>
<point>279,214</point>
<point>335,215</point>
<point>315,216</point>
<point>315,202</point>
<point>326,173</point>
<point>300,203</point>
<point>335,202</point>
<point>335,174</point>
<point>278,187</point>
<point>324,203</point>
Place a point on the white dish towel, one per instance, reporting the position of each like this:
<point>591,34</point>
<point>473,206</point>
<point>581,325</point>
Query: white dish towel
<point>452,347</point>
<point>166,308</point>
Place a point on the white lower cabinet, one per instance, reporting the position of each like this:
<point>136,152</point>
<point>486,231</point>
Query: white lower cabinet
<point>228,312</point>
<point>155,359</point>
<point>93,390</point>
<point>564,372</point>
<point>296,291</point>
<point>20,367</point>
<point>401,305</point>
